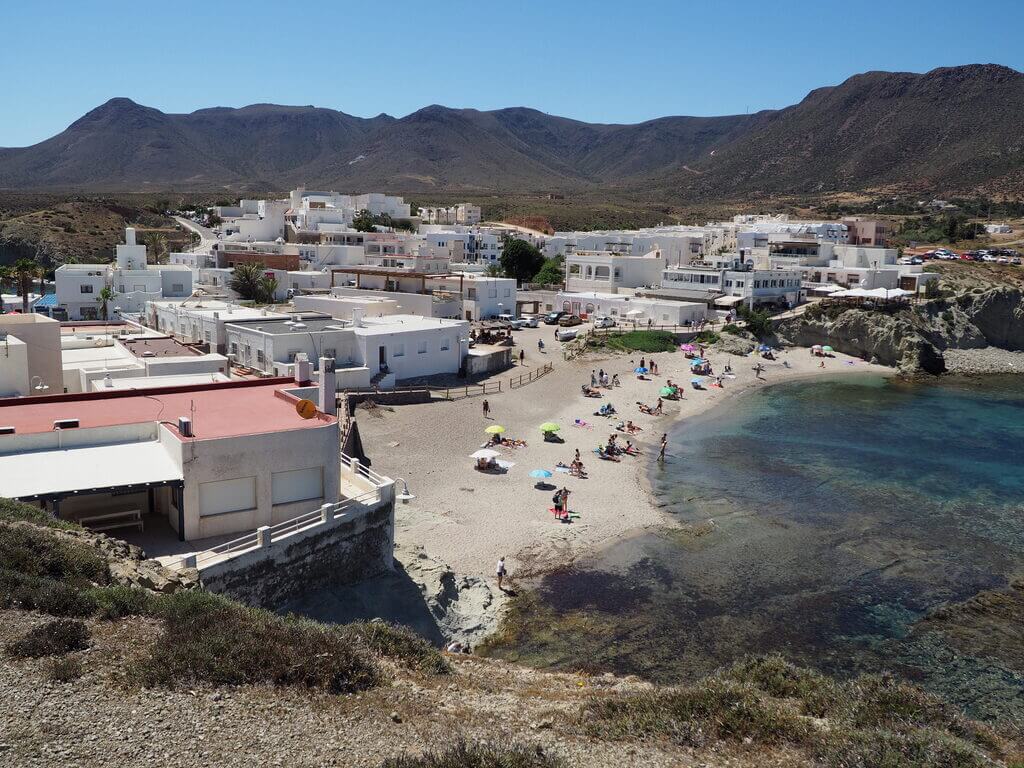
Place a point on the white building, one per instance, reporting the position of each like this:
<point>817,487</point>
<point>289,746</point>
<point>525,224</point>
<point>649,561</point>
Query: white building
<point>244,458</point>
<point>203,322</point>
<point>609,271</point>
<point>366,350</point>
<point>132,281</point>
<point>727,282</point>
<point>30,355</point>
<point>461,213</point>
<point>625,308</point>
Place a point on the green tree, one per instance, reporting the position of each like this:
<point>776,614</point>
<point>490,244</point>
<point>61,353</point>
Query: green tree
<point>759,321</point>
<point>364,222</point>
<point>494,270</point>
<point>267,289</point>
<point>521,260</point>
<point>246,281</point>
<point>106,295</point>
<point>552,273</point>
<point>24,272</point>
<point>156,248</point>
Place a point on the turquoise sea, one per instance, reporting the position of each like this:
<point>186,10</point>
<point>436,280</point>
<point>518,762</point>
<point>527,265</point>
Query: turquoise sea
<point>823,520</point>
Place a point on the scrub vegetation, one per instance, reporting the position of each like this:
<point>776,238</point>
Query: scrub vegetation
<point>635,341</point>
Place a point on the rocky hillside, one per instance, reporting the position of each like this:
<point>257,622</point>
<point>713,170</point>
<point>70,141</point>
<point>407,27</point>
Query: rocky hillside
<point>947,130</point>
<point>933,337</point>
<point>108,660</point>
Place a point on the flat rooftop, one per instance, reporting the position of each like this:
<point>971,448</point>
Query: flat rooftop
<point>220,410</point>
<point>399,323</point>
<point>163,346</point>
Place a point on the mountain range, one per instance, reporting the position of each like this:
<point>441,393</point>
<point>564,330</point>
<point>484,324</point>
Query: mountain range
<point>951,129</point>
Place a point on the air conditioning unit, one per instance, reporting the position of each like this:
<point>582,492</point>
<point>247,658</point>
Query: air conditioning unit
<point>65,424</point>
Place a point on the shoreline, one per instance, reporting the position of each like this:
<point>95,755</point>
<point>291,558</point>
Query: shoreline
<point>466,520</point>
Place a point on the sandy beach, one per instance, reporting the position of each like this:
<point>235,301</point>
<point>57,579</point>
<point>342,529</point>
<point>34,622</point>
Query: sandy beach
<point>468,519</point>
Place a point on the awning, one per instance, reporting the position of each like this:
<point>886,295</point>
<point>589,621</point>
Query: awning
<point>728,301</point>
<point>84,470</point>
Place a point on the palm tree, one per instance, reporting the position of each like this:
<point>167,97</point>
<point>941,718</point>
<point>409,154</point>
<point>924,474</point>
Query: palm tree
<point>106,296</point>
<point>156,247</point>
<point>494,270</point>
<point>25,271</point>
<point>267,289</point>
<point>245,281</point>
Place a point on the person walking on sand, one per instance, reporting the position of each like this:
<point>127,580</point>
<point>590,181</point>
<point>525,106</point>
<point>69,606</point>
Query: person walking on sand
<point>522,356</point>
<point>593,379</point>
<point>500,571</point>
<point>664,445</point>
<point>487,410</point>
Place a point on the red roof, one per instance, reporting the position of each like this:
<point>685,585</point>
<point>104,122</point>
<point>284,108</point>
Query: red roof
<point>221,410</point>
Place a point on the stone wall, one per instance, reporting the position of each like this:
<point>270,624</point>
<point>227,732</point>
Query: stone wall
<point>351,548</point>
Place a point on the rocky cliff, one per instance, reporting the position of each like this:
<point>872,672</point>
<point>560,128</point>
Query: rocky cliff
<point>915,339</point>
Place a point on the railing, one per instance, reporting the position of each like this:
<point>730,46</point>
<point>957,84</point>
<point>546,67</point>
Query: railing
<point>523,379</point>
<point>267,535</point>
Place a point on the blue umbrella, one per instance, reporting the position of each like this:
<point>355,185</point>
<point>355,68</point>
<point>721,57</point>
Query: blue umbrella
<point>540,474</point>
<point>697,361</point>
<point>765,348</point>
<point>640,369</point>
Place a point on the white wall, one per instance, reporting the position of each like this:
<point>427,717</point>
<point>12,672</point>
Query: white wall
<point>14,376</point>
<point>41,336</point>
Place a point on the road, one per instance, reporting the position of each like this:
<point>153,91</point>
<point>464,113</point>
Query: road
<point>206,235</point>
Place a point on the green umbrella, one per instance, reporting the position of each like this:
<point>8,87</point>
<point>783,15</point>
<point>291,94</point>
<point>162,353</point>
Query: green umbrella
<point>549,426</point>
<point>668,391</point>
<point>827,348</point>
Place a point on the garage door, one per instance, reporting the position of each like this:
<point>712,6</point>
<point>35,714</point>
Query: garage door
<point>298,485</point>
<point>221,496</point>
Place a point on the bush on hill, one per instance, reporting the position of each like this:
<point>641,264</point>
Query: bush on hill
<point>54,638</point>
<point>462,755</point>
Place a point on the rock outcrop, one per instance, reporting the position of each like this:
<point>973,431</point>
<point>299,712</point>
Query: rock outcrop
<point>914,339</point>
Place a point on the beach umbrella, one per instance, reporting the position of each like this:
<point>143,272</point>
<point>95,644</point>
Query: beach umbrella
<point>827,348</point>
<point>668,391</point>
<point>816,346</point>
<point>639,369</point>
<point>494,429</point>
<point>549,426</point>
<point>695,381</point>
<point>697,361</point>
<point>540,474</point>
<point>485,453</point>
<point>765,348</point>
<point>687,348</point>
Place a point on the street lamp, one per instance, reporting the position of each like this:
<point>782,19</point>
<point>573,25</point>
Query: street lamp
<point>405,497</point>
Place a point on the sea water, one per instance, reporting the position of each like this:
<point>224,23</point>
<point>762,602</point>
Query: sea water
<point>821,520</point>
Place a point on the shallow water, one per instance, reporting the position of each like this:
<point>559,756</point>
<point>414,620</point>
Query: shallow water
<point>821,520</point>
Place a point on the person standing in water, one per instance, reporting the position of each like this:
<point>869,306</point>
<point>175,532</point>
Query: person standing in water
<point>664,445</point>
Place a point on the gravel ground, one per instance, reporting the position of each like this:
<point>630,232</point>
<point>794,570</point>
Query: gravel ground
<point>99,720</point>
<point>970,362</point>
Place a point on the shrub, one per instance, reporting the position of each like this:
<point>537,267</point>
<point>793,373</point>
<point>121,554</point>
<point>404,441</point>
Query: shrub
<point>636,341</point>
<point>54,638</point>
<point>117,602</point>
<point>65,669</point>
<point>209,638</point>
<point>33,551</point>
<point>818,695</point>
<point>713,710</point>
<point>885,749</point>
<point>707,337</point>
<point>58,599</point>
<point>398,643</point>
<point>732,328</point>
<point>462,755</point>
<point>12,511</point>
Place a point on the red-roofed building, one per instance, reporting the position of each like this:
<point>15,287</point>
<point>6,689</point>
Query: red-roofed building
<point>214,459</point>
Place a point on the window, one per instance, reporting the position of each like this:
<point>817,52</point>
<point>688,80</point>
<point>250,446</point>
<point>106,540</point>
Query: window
<point>331,353</point>
<point>85,288</point>
<point>233,348</point>
<point>508,292</point>
<point>259,355</point>
<point>178,287</point>
<point>492,293</point>
<point>297,485</point>
<point>222,496</point>
<point>399,350</point>
<point>422,348</point>
<point>207,337</point>
<point>446,344</point>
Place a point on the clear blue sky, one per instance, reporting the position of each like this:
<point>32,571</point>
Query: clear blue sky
<point>594,60</point>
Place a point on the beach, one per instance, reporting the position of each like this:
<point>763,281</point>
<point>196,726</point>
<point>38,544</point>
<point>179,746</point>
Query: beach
<point>468,519</point>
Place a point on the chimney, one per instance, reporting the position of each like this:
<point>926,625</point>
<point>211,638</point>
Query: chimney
<point>303,369</point>
<point>357,316</point>
<point>129,236</point>
<point>328,389</point>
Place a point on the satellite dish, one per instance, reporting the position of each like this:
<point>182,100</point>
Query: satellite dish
<point>306,409</point>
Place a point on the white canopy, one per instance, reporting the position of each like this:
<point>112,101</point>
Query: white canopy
<point>635,312</point>
<point>71,470</point>
<point>485,453</point>
<point>832,288</point>
<point>728,301</point>
<point>876,293</point>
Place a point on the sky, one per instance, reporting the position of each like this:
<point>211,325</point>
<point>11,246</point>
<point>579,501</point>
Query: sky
<point>594,60</point>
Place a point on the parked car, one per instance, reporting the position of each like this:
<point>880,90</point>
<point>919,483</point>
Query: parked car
<point>904,261</point>
<point>916,260</point>
<point>604,322</point>
<point>568,321</point>
<point>531,321</point>
<point>506,317</point>
<point>552,318</point>
<point>520,322</point>
<point>565,334</point>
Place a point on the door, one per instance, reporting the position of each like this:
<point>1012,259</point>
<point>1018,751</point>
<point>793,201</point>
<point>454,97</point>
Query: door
<point>382,353</point>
